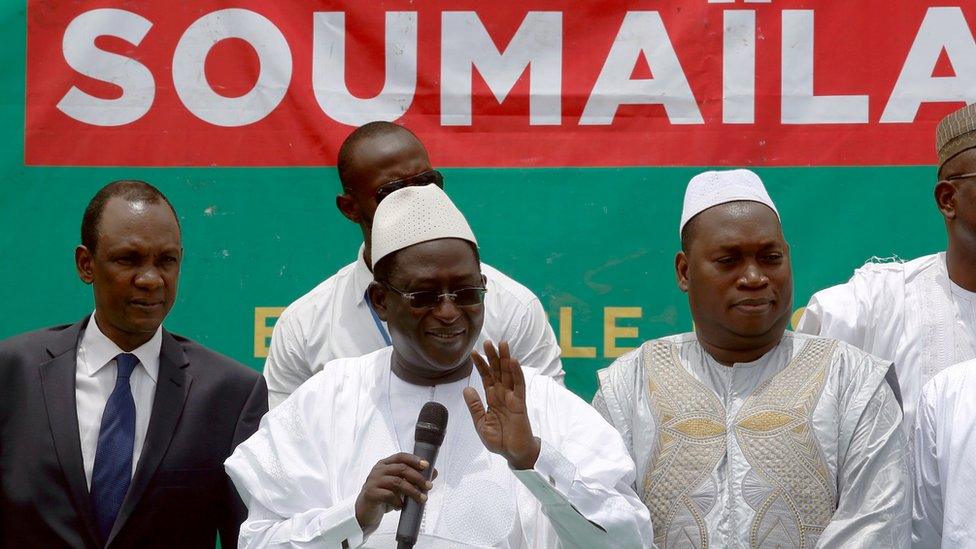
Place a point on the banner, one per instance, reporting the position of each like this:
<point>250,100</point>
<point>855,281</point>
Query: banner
<point>566,131</point>
<point>541,83</point>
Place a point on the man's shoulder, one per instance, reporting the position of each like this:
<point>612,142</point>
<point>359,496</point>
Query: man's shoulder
<point>954,381</point>
<point>36,341</point>
<point>322,294</point>
<point>894,268</point>
<point>210,363</point>
<point>847,355</point>
<point>506,289</point>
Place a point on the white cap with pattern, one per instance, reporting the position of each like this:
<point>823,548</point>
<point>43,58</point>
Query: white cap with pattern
<point>412,215</point>
<point>720,187</point>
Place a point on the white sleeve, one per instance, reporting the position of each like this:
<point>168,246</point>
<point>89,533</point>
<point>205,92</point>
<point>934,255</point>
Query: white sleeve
<point>927,511</point>
<point>836,312</point>
<point>874,504</point>
<point>286,366</point>
<point>584,479</point>
<point>534,344</point>
<point>284,481</point>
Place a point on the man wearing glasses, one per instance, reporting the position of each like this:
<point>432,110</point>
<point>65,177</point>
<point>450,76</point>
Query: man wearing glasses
<point>524,463</point>
<point>335,319</point>
<point>920,314</point>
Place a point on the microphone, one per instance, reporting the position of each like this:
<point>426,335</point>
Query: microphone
<point>431,424</point>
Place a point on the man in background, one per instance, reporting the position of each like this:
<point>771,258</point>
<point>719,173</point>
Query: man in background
<point>921,314</point>
<point>335,320</point>
<point>113,431</point>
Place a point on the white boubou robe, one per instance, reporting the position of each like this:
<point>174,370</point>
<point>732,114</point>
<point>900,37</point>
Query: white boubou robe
<point>944,459</point>
<point>910,313</point>
<point>800,448</point>
<point>301,473</point>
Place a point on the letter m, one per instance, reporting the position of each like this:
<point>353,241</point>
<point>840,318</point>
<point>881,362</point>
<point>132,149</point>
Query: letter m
<point>537,45</point>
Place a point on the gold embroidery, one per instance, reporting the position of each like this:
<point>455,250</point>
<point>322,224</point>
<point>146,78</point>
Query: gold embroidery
<point>691,441</point>
<point>789,485</point>
<point>776,438</point>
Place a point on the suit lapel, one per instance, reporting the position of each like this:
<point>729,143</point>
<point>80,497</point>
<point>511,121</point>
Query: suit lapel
<point>58,385</point>
<point>172,387</point>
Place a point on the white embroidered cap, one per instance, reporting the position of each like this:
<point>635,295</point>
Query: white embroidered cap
<point>720,187</point>
<point>412,215</point>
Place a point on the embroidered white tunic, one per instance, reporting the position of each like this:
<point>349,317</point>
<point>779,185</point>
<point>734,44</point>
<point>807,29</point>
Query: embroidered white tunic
<point>301,472</point>
<point>910,313</point>
<point>333,321</point>
<point>943,451</point>
<point>800,448</point>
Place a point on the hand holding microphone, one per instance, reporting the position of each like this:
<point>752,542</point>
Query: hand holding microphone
<point>402,480</point>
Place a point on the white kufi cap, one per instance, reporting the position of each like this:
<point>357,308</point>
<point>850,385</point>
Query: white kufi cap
<point>412,215</point>
<point>713,188</point>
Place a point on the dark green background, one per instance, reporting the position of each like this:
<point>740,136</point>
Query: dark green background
<point>585,238</point>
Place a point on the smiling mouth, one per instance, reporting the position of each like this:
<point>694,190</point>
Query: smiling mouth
<point>446,336</point>
<point>147,304</point>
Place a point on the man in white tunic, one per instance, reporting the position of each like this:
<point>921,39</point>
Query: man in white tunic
<point>334,320</point>
<point>943,451</point>
<point>534,466</point>
<point>921,314</point>
<point>744,434</point>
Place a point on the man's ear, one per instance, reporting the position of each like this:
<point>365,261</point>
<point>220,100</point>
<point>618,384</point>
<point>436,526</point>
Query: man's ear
<point>681,270</point>
<point>945,198</point>
<point>377,298</point>
<point>348,207</point>
<point>85,264</point>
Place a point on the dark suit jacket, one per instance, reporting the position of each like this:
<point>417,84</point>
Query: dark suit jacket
<point>180,496</point>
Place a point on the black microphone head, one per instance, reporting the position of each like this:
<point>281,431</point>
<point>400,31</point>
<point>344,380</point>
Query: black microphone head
<point>431,424</point>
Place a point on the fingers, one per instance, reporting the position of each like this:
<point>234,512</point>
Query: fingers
<point>492,358</point>
<point>401,474</point>
<point>517,377</point>
<point>473,400</point>
<point>504,371</point>
<point>406,459</point>
<point>487,379</point>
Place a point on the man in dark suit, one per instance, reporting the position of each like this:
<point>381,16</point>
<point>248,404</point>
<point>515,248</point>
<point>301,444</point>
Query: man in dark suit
<point>113,431</point>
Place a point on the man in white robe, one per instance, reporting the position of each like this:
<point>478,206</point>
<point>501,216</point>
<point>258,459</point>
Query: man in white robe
<point>744,434</point>
<point>944,459</point>
<point>535,468</point>
<point>921,314</point>
<point>335,320</point>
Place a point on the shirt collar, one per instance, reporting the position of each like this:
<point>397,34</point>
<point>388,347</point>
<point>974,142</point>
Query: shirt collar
<point>361,276</point>
<point>99,350</point>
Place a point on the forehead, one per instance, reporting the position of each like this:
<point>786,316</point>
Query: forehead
<point>386,157</point>
<point>737,224</point>
<point>444,259</point>
<point>964,162</point>
<point>125,222</point>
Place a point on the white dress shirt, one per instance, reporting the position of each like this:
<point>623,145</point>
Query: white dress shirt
<point>909,313</point>
<point>301,473</point>
<point>944,471</point>
<point>334,320</point>
<point>95,377</point>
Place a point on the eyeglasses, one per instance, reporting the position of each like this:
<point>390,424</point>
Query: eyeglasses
<point>430,177</point>
<point>428,299</point>
<point>960,176</point>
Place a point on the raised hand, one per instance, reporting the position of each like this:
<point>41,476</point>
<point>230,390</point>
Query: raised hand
<point>504,425</point>
<point>391,480</point>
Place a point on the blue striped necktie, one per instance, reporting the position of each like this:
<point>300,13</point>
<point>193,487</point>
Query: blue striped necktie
<point>112,471</point>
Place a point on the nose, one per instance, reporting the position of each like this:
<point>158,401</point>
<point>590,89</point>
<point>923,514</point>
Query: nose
<point>445,310</point>
<point>149,278</point>
<point>753,276</point>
